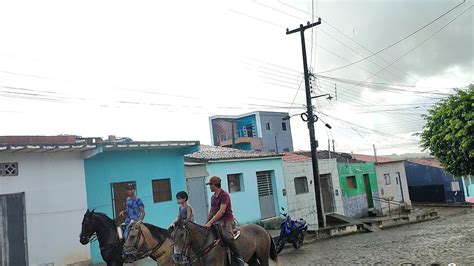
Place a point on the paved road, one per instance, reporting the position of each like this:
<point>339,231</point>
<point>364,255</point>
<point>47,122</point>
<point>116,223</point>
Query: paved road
<point>449,239</point>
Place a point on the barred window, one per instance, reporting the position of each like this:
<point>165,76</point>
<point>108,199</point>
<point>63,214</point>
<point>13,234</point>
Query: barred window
<point>8,169</point>
<point>301,185</point>
<point>161,190</point>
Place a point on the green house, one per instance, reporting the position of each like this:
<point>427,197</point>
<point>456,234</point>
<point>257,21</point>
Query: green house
<point>358,183</point>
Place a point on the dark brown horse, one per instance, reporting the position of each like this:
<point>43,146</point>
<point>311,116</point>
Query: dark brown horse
<point>193,242</point>
<point>105,229</point>
<point>145,240</point>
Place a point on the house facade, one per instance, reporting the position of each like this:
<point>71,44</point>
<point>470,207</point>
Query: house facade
<point>258,131</point>
<point>299,181</point>
<point>359,187</point>
<point>392,184</point>
<point>42,200</point>
<point>468,187</point>
<point>429,183</point>
<point>251,178</point>
<point>157,169</point>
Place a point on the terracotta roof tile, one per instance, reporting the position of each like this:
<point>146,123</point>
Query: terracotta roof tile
<point>214,153</point>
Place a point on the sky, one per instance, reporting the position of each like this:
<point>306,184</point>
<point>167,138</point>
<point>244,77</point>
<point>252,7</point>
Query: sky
<point>157,70</point>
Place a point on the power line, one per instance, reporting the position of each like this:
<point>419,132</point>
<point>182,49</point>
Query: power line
<point>397,42</point>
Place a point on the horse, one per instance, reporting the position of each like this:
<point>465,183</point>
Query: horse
<point>193,242</point>
<point>145,240</point>
<point>105,229</point>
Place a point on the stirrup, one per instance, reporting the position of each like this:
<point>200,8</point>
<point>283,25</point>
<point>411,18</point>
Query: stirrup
<point>236,235</point>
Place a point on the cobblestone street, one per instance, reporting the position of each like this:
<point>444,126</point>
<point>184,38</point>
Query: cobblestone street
<point>449,239</point>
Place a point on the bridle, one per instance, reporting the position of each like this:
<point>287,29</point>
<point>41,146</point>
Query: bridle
<point>202,251</point>
<point>134,250</point>
<point>89,223</point>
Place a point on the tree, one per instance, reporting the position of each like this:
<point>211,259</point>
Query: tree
<point>449,132</point>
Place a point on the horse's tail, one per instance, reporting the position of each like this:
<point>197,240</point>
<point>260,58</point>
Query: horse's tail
<point>273,253</point>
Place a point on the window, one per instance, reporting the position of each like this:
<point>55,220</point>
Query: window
<point>283,126</point>
<point>161,190</point>
<point>235,182</point>
<point>455,186</point>
<point>397,178</point>
<point>286,149</point>
<point>8,169</point>
<point>301,185</point>
<point>351,182</point>
<point>267,126</point>
<point>387,179</point>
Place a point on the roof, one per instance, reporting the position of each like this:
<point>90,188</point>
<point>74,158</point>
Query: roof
<point>23,140</point>
<point>147,145</point>
<point>213,153</point>
<point>370,158</point>
<point>247,114</point>
<point>428,162</point>
<point>340,157</point>
<point>294,157</point>
<point>36,148</point>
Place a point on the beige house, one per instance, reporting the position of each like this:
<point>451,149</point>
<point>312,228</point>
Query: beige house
<point>392,185</point>
<point>298,174</point>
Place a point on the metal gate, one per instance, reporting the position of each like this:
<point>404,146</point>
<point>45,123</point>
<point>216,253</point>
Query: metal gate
<point>265,194</point>
<point>198,198</point>
<point>13,250</point>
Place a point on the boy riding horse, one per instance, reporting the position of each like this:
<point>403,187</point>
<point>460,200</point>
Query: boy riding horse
<point>134,209</point>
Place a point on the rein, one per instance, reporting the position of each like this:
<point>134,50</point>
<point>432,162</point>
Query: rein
<point>203,251</point>
<point>147,252</point>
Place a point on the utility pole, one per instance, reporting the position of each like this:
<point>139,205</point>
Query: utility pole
<point>333,146</point>
<point>311,119</point>
<point>375,153</point>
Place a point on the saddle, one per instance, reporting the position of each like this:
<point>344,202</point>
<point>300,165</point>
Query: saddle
<point>216,230</point>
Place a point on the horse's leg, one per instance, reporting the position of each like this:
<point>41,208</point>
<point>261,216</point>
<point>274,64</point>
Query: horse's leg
<point>253,261</point>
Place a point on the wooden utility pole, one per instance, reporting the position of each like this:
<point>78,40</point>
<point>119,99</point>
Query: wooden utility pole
<point>311,119</point>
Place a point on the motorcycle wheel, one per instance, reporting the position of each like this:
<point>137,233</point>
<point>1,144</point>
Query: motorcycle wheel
<point>280,244</point>
<point>299,240</point>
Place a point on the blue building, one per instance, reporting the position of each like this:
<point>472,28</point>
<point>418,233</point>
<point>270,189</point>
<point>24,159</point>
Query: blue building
<point>429,183</point>
<point>258,131</point>
<point>157,169</point>
<point>254,180</point>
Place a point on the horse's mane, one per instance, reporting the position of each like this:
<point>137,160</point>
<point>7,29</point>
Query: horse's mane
<point>156,231</point>
<point>106,219</point>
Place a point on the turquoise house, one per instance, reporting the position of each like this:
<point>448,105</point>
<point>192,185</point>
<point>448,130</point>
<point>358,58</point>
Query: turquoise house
<point>468,187</point>
<point>254,180</point>
<point>157,169</point>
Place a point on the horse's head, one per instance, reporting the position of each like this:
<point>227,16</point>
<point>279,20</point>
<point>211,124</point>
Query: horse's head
<point>88,227</point>
<point>132,243</point>
<point>182,243</point>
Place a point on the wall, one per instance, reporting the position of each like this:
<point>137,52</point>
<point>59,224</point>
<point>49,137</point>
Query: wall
<point>304,205</point>
<point>245,203</point>
<point>431,184</point>
<point>141,166</point>
<point>468,187</point>
<point>55,200</point>
<point>354,199</point>
<point>392,190</point>
<point>284,138</point>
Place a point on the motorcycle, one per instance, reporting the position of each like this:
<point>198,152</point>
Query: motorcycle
<point>292,231</point>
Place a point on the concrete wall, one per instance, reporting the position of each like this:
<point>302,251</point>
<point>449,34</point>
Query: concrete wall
<point>283,138</point>
<point>304,205</point>
<point>355,199</point>
<point>392,190</point>
<point>55,199</point>
<point>141,166</point>
<point>245,203</point>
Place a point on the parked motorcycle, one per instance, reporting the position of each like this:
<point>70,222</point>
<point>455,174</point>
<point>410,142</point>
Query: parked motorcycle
<point>292,231</point>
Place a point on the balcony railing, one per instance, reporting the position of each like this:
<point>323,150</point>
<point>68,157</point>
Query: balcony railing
<point>238,134</point>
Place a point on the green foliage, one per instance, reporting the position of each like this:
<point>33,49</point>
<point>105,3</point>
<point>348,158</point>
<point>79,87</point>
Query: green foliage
<point>449,132</point>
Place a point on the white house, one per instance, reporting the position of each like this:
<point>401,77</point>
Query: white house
<point>42,203</point>
<point>392,184</point>
<point>298,173</point>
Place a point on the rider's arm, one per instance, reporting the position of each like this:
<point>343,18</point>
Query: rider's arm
<point>142,209</point>
<point>219,214</point>
<point>189,214</point>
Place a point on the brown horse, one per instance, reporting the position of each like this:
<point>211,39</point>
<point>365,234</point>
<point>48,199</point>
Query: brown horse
<point>145,240</point>
<point>193,242</point>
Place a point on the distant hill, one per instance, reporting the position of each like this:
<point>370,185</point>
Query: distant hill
<point>409,156</point>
